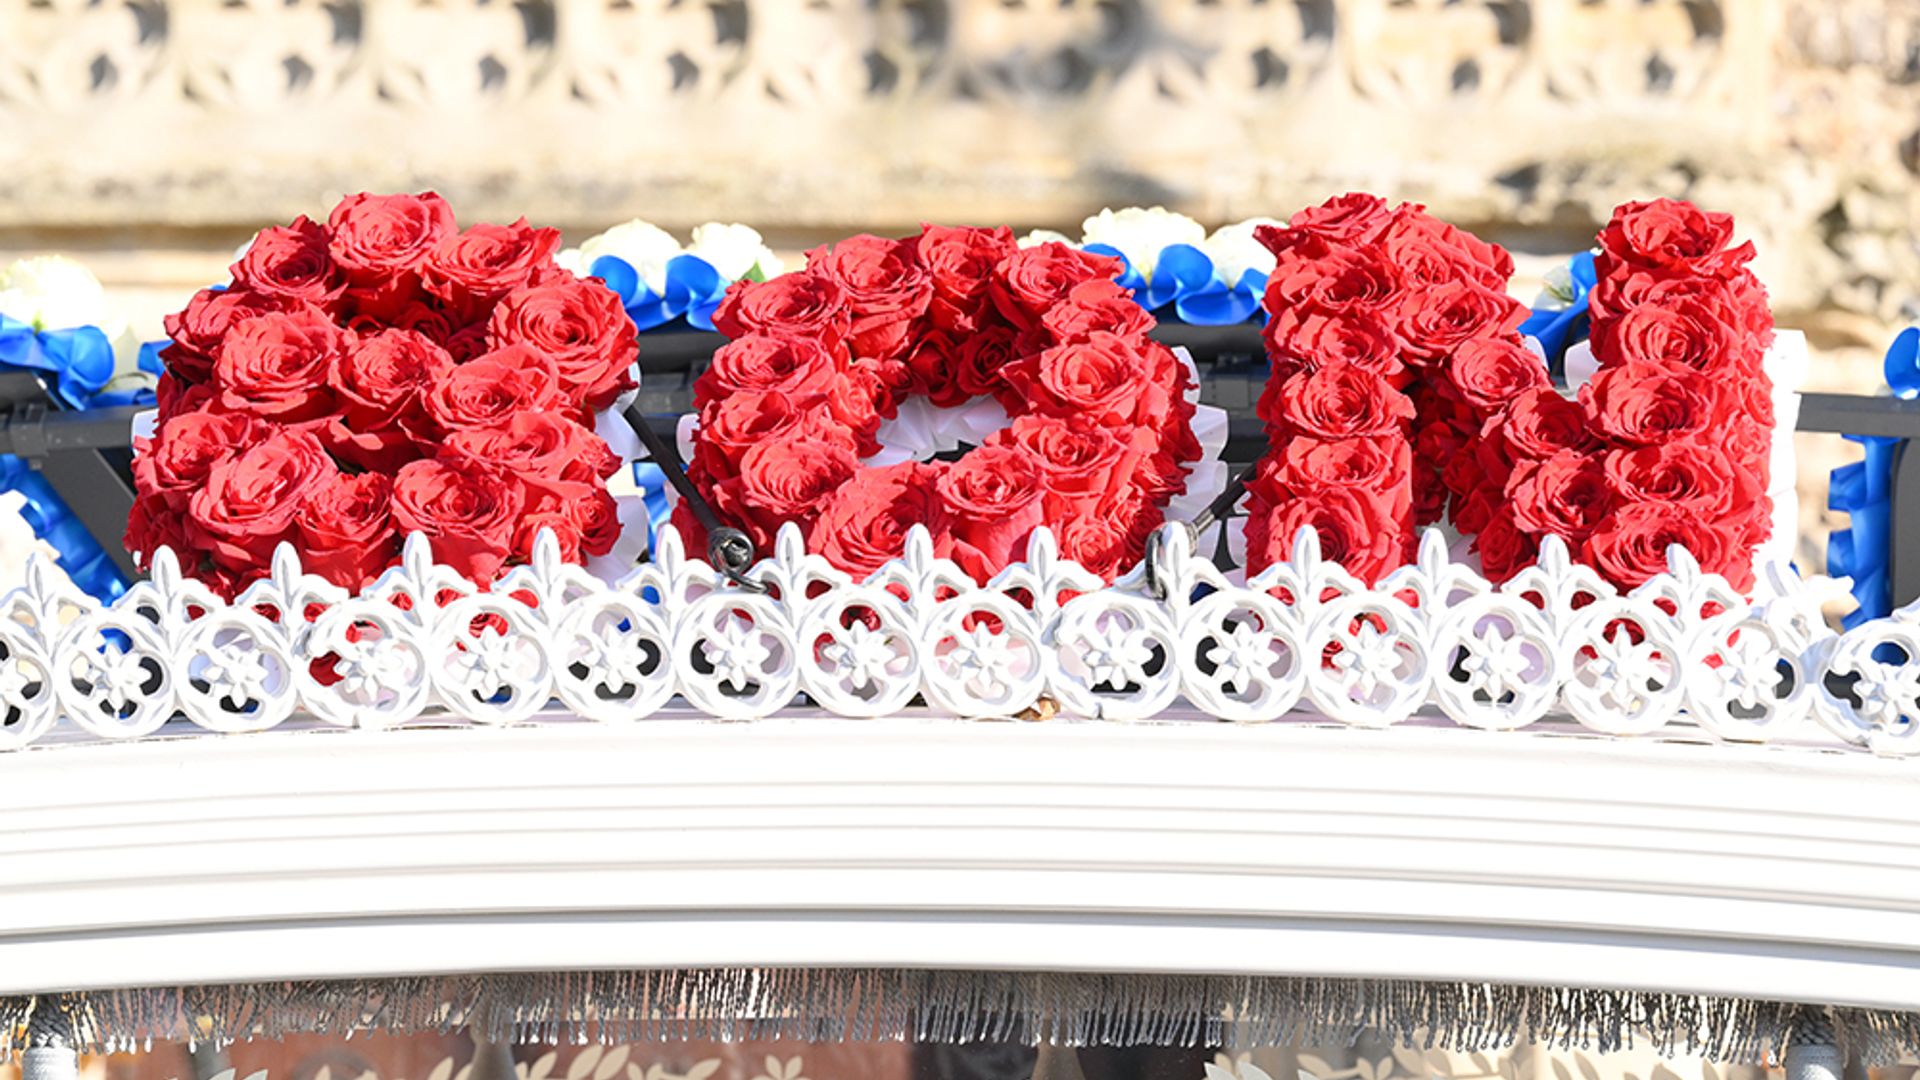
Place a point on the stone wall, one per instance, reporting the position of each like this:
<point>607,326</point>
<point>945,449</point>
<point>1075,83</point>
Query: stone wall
<point>1524,117</point>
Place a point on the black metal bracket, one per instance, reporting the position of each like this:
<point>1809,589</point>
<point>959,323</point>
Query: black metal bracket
<point>71,450</point>
<point>729,550</point>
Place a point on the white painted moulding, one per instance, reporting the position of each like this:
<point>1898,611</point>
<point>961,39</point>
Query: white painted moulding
<point>1682,653</point>
<point>1562,883</point>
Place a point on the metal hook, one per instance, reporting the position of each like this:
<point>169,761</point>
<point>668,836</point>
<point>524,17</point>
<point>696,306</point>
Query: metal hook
<point>1155,587</point>
<point>1218,510</point>
<point>730,551</point>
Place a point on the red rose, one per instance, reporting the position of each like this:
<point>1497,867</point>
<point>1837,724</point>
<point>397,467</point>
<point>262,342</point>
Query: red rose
<point>1503,548</point>
<point>1033,281</point>
<point>1695,474</point>
<point>958,263</point>
<point>1312,338</point>
<point>494,389</point>
<point>1540,423</point>
<point>1670,236</point>
<point>291,261</point>
<point>1077,456</point>
<point>1738,301</point>
<point>1684,334</point>
<point>177,462</point>
<point>885,287</point>
<point>249,501</point>
<point>1094,306</point>
<point>1364,464</point>
<point>554,519</point>
<point>469,511</point>
<point>1428,252</point>
<point>1566,495</point>
<point>1355,531</point>
<point>346,530</point>
<point>538,447</point>
<point>1101,544</point>
<point>992,496</point>
<point>932,360</point>
<point>1644,405</point>
<point>174,396</point>
<point>580,327</point>
<point>1339,280</point>
<point>597,518</point>
<point>787,479</point>
<point>381,378</point>
<point>865,523</point>
<point>1436,322</point>
<point>983,356</point>
<point>152,525</point>
<point>197,331</point>
<point>1340,402</point>
<point>732,425</point>
<point>1353,218</point>
<point>1490,372</point>
<point>378,237</point>
<point>583,517</point>
<point>431,321</point>
<point>487,262</point>
<point>1631,545</point>
<point>854,401</point>
<point>796,366</point>
<point>1101,378</point>
<point>276,365</point>
<point>805,304</point>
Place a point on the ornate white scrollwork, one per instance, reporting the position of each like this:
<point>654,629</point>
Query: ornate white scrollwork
<point>1554,641</point>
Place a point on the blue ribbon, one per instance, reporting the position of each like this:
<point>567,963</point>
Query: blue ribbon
<point>81,557</point>
<point>1863,490</point>
<point>1185,278</point>
<point>75,366</point>
<point>1558,328</point>
<point>75,363</point>
<point>652,482</point>
<point>693,291</point>
<point>1903,363</point>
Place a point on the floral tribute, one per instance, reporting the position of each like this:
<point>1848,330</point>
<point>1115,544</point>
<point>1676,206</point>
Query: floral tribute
<point>1402,392</point>
<point>384,373</point>
<point>794,413</point>
<point>1392,341</point>
<point>1670,441</point>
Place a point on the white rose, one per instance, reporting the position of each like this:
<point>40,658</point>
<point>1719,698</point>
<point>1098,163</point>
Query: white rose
<point>644,246</point>
<point>1234,251</point>
<point>126,364</point>
<point>1044,236</point>
<point>734,251</point>
<point>1141,235</point>
<point>1556,290</point>
<point>52,292</point>
<point>17,542</point>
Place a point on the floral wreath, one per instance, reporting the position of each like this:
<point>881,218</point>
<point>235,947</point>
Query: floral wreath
<point>842,378</point>
<point>380,374</point>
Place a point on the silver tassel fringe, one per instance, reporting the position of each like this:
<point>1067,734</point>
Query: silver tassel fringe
<point>737,1004</point>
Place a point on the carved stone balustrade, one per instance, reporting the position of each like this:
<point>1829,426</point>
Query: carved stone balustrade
<point>1799,115</point>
